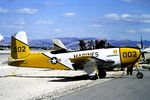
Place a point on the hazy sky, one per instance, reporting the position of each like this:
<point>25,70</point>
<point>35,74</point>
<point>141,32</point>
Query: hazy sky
<point>109,19</point>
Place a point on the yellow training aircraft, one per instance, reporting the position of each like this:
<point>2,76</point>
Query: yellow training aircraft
<point>94,62</point>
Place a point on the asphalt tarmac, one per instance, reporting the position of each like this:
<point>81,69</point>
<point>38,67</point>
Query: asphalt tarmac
<point>126,88</point>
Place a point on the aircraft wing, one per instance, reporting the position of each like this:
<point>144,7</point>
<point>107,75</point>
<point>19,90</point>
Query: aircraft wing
<point>80,60</point>
<point>103,63</point>
<point>89,63</point>
<point>86,59</point>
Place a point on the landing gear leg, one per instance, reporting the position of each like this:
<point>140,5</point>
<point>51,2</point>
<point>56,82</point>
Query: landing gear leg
<point>96,76</point>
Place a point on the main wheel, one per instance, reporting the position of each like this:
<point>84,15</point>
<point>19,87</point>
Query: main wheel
<point>139,75</point>
<point>101,73</point>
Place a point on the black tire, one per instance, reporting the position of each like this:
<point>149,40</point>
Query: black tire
<point>101,73</point>
<point>139,75</point>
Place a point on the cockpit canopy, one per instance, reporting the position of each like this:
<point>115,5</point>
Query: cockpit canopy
<point>84,45</point>
<point>94,44</point>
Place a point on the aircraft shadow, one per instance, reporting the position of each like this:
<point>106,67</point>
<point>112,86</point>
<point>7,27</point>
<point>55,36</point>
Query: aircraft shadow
<point>74,78</point>
<point>82,77</point>
<point>69,78</point>
<point>59,78</point>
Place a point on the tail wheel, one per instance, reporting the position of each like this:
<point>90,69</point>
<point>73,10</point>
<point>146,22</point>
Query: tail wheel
<point>139,75</point>
<point>101,73</point>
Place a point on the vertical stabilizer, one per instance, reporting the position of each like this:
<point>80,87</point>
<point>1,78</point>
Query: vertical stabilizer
<point>19,45</point>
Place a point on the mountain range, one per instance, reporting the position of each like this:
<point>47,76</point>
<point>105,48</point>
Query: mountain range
<point>66,41</point>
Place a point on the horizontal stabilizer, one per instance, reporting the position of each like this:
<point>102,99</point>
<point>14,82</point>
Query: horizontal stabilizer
<point>11,60</point>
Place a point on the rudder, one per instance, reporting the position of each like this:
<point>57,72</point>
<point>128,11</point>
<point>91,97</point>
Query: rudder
<point>19,45</point>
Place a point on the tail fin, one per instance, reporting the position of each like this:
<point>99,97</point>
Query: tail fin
<point>58,44</point>
<point>19,45</point>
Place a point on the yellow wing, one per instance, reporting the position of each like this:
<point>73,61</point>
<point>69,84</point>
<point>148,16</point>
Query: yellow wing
<point>85,59</point>
<point>80,60</point>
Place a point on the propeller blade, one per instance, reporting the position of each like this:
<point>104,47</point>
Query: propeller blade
<point>142,47</point>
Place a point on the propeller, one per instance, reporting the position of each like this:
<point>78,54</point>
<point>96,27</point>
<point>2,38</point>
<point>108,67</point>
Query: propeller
<point>142,48</point>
